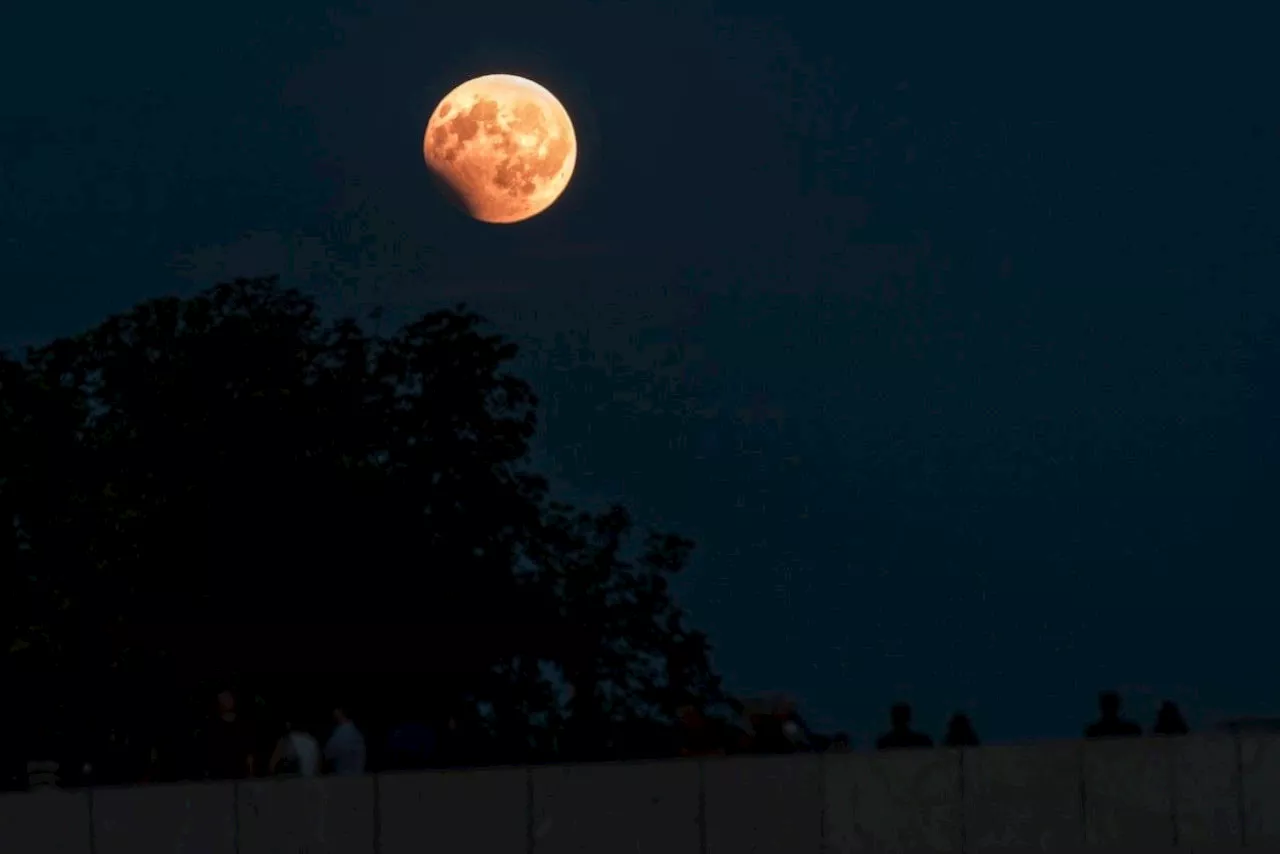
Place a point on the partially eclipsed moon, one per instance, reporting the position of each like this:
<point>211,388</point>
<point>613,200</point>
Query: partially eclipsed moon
<point>502,147</point>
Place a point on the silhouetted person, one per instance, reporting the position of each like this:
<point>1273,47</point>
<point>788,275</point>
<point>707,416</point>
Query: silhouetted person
<point>1169,720</point>
<point>345,750</point>
<point>777,727</point>
<point>154,770</point>
<point>796,731</point>
<point>230,743</point>
<point>736,737</point>
<point>739,729</point>
<point>699,736</point>
<point>115,762</point>
<point>411,746</point>
<point>901,734</point>
<point>1110,724</point>
<point>960,732</point>
<point>768,734</point>
<point>297,752</point>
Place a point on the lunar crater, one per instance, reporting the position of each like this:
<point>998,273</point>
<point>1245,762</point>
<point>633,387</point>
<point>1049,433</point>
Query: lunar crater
<point>503,146</point>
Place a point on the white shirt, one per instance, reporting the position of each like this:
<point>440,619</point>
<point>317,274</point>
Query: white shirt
<point>302,748</point>
<point>346,749</point>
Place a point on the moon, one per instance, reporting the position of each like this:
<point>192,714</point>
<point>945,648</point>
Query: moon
<point>501,147</point>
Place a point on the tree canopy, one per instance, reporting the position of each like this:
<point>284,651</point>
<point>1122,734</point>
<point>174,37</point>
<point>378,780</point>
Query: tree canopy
<point>233,486</point>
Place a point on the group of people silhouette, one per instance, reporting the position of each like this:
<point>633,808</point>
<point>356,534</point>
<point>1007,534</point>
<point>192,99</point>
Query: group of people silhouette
<point>782,730</point>
<point>961,732</point>
<point>229,745</point>
<point>232,746</point>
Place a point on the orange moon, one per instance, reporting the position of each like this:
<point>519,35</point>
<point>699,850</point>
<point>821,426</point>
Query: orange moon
<point>502,148</point>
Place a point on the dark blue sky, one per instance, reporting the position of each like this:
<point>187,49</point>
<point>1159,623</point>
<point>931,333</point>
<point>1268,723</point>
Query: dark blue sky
<point>954,347</point>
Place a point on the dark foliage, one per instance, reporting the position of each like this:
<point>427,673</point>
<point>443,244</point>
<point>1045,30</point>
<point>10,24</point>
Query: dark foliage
<point>229,485</point>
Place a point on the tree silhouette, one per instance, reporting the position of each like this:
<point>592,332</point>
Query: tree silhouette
<point>627,656</point>
<point>229,484</point>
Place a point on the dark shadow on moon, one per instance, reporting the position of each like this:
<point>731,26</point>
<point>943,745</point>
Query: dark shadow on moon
<point>452,194</point>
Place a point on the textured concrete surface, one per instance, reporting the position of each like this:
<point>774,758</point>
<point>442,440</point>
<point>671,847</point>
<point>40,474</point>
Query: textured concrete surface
<point>1024,799</point>
<point>455,812</point>
<point>1128,795</point>
<point>1211,794</point>
<point>764,805</point>
<point>45,823</point>
<point>1260,781</point>
<point>905,800</point>
<point>1206,789</point>
<point>585,809</point>
<point>333,815</point>
<point>191,818</point>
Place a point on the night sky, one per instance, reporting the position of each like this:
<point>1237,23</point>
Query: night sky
<point>953,346</point>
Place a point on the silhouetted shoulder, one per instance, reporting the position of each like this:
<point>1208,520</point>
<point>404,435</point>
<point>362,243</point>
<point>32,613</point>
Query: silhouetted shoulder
<point>896,740</point>
<point>1113,729</point>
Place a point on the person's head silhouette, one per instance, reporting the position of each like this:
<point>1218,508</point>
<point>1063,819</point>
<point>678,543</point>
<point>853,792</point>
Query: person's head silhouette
<point>960,732</point>
<point>1109,704</point>
<point>901,735</point>
<point>1169,720</point>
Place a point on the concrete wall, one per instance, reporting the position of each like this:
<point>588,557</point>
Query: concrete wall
<point>47,822</point>
<point>900,801</point>
<point>454,811</point>
<point>652,806</point>
<point>1023,798</point>
<point>330,815</point>
<point>194,818</point>
<point>764,804</point>
<point>1211,794</point>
